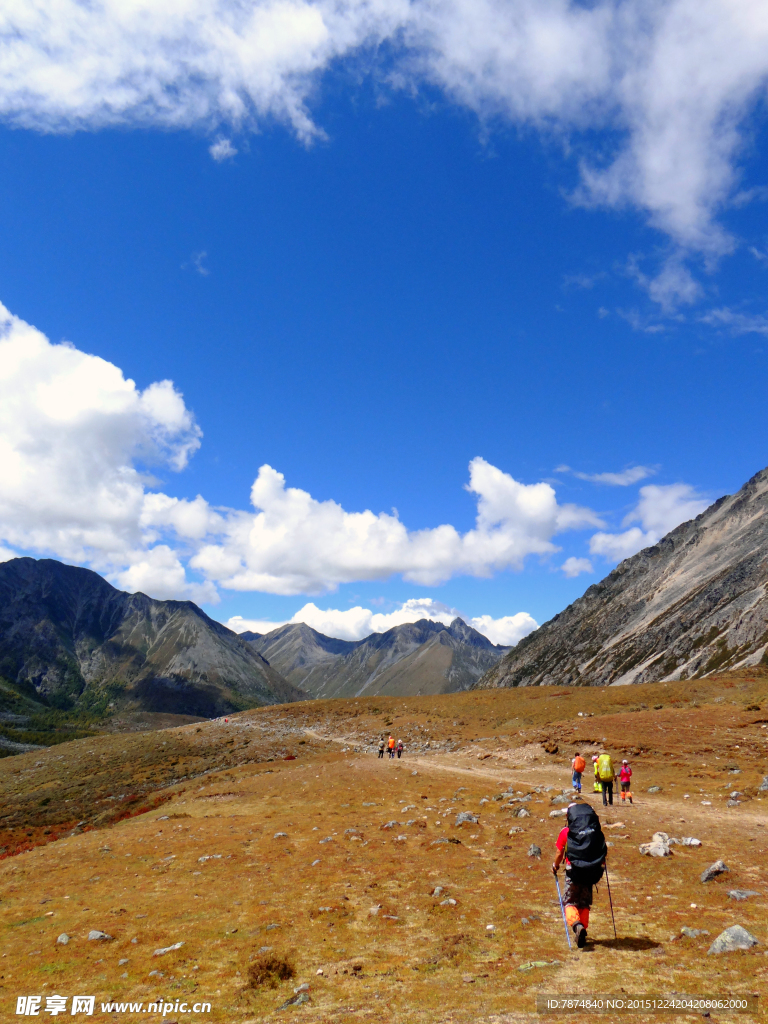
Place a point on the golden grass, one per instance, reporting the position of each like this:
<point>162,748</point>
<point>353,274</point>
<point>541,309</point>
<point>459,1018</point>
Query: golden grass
<point>360,907</point>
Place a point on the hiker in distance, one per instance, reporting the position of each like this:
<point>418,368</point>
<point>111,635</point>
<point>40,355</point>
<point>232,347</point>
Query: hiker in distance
<point>382,745</point>
<point>597,787</point>
<point>625,778</point>
<point>391,745</point>
<point>581,844</point>
<point>606,774</point>
<point>399,748</point>
<point>578,764</point>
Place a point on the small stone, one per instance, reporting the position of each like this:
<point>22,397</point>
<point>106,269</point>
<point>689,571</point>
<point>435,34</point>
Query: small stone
<point>654,789</point>
<point>693,933</point>
<point>560,813</point>
<point>96,935</point>
<point>301,988</point>
<point>763,787</point>
<point>534,850</point>
<point>448,903</point>
<point>296,1000</point>
<point>391,824</point>
<point>319,971</point>
<point>168,949</point>
<point>490,927</point>
<point>466,817</point>
<point>468,979</point>
<point>437,891</point>
<point>123,961</point>
<point>521,812</point>
<point>514,830</point>
<point>718,868</point>
<point>741,894</point>
<point>281,835</point>
<point>63,939</point>
<point>658,846</point>
<point>733,803</point>
<point>731,939</point>
<point>690,841</point>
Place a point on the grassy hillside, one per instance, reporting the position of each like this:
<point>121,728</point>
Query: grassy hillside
<point>200,860</point>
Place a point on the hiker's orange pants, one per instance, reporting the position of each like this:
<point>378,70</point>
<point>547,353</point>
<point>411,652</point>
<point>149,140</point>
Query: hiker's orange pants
<point>573,914</point>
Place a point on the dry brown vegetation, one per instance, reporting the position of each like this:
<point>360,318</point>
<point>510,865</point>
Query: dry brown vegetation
<point>341,894</point>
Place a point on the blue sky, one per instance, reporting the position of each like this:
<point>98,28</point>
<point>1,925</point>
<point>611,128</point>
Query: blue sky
<point>409,274</point>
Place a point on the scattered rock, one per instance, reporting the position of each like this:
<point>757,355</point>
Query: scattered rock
<point>616,824</point>
<point>278,835</point>
<point>63,939</point>
<point>539,963</point>
<point>741,894</point>
<point>559,813</point>
<point>391,824</point>
<point>534,850</point>
<point>437,891</point>
<point>718,868</point>
<point>514,830</point>
<point>654,789</point>
<point>690,841</point>
<point>467,979</point>
<point>301,988</point>
<point>731,939</point>
<point>448,903</point>
<point>96,935</point>
<point>733,803</point>
<point>693,933</point>
<point>319,971</point>
<point>168,949</point>
<point>561,799</point>
<point>521,812</point>
<point>763,787</point>
<point>297,1000</point>
<point>658,846</point>
<point>123,961</point>
<point>466,817</point>
<point>328,839</point>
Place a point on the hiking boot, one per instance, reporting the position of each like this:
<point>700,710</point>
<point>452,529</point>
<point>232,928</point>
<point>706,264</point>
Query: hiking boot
<point>581,934</point>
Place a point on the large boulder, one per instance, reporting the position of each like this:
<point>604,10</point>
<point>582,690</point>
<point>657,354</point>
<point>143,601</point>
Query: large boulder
<point>718,868</point>
<point>731,939</point>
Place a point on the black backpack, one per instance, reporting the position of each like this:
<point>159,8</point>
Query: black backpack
<point>586,848</point>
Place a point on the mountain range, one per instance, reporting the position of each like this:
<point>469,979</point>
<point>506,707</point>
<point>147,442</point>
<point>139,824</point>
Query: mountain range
<point>413,658</point>
<point>71,641</point>
<point>694,603</point>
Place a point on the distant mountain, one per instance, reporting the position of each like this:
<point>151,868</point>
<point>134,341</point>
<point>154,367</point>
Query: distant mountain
<point>695,603</point>
<point>69,640</point>
<point>417,657</point>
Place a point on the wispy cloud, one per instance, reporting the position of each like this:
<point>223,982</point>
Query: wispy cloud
<point>573,567</point>
<point>675,82</point>
<point>196,262</point>
<point>222,149</point>
<point>736,323</point>
<point>632,475</point>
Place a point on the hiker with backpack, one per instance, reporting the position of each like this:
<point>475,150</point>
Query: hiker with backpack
<point>625,778</point>
<point>382,745</point>
<point>581,844</point>
<point>578,764</point>
<point>606,774</point>
<point>597,787</point>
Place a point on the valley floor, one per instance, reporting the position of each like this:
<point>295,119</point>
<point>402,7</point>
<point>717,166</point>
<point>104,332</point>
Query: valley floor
<point>332,859</point>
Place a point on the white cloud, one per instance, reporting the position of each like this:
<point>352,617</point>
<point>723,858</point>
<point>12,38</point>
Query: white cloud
<point>674,82</point>
<point>575,566</point>
<point>737,323</point>
<point>507,630</point>
<point>295,544</point>
<point>623,479</point>
<point>222,149</point>
<point>661,508</point>
<point>357,623</point>
<point>74,434</point>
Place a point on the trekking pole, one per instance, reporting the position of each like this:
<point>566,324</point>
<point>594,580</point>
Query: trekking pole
<point>610,901</point>
<point>562,911</point>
